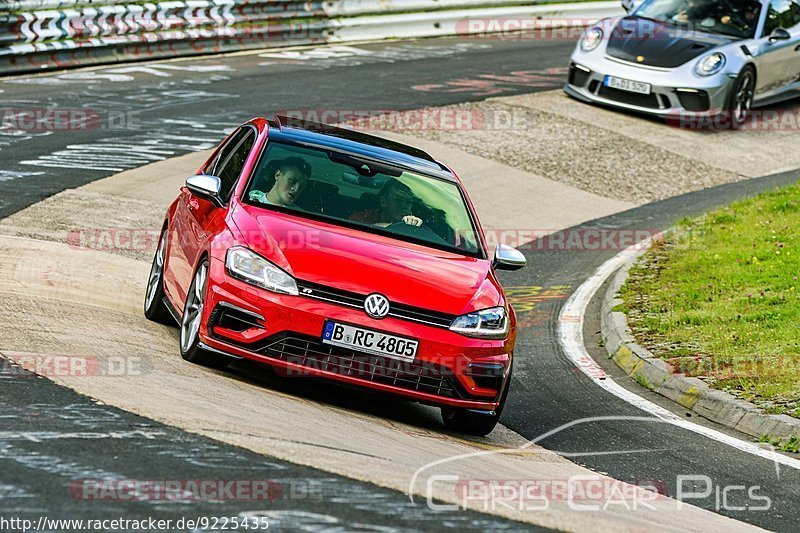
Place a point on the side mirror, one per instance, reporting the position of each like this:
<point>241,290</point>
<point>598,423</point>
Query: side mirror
<point>508,258</point>
<point>207,187</point>
<point>779,35</point>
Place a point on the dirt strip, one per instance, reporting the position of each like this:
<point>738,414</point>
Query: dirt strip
<point>61,298</point>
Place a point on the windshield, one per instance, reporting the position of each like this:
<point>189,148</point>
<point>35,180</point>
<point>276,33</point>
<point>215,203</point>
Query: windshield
<point>347,190</point>
<point>737,18</point>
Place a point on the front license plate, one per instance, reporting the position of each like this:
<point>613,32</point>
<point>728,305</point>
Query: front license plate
<point>627,85</point>
<point>369,341</point>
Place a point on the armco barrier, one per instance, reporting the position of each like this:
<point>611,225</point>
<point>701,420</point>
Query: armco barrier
<point>49,34</point>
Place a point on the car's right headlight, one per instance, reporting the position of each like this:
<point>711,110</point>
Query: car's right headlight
<point>246,265</point>
<point>591,38</point>
<point>711,64</point>
<point>489,323</point>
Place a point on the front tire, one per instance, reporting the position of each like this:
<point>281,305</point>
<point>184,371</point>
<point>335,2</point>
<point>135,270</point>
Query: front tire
<point>192,319</point>
<point>740,98</point>
<point>154,307</point>
<point>471,423</point>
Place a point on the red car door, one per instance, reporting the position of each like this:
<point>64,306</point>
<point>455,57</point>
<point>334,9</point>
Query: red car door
<point>194,216</point>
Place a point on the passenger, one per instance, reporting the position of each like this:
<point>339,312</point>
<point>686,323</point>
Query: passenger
<point>291,176</point>
<point>395,201</point>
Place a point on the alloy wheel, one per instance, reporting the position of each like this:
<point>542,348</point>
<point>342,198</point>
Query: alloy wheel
<point>744,98</point>
<point>193,312</point>
<point>156,272</point>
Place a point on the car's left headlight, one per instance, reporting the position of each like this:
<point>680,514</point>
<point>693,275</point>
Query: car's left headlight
<point>591,38</point>
<point>246,265</point>
<point>711,64</point>
<point>489,323</point>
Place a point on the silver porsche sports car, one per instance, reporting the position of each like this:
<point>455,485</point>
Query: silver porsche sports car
<point>701,57</point>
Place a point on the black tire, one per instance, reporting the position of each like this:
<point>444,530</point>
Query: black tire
<point>740,98</point>
<point>154,307</point>
<point>190,323</point>
<point>470,423</point>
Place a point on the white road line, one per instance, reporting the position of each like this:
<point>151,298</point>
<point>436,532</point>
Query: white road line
<point>570,333</point>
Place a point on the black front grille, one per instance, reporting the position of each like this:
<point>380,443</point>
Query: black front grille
<point>577,77</point>
<point>625,97</point>
<point>694,101</point>
<point>414,376</point>
<point>352,299</point>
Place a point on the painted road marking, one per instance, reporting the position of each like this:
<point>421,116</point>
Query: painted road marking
<point>570,329</point>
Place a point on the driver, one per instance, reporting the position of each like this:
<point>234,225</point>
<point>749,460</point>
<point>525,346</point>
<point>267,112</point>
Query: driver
<point>291,176</point>
<point>695,10</point>
<point>394,205</point>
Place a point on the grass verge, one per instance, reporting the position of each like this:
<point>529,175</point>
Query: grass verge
<point>718,299</point>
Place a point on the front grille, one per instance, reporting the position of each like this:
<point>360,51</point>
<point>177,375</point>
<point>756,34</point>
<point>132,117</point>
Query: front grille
<point>577,77</point>
<point>413,376</point>
<point>352,299</point>
<point>625,97</point>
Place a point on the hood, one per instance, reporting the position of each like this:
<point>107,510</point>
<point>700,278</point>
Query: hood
<point>361,262</point>
<point>651,43</point>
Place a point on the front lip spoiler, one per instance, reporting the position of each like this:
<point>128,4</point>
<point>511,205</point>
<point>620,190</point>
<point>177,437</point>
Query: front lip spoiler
<point>206,347</point>
<point>663,113</point>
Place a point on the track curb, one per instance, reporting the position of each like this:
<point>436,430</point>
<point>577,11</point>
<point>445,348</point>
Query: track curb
<point>690,393</point>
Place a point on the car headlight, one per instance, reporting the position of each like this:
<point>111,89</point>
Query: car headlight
<point>591,39</point>
<point>489,323</point>
<point>246,265</point>
<point>710,65</point>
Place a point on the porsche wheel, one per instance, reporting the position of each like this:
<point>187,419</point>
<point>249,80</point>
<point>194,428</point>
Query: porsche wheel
<point>192,319</point>
<point>740,98</point>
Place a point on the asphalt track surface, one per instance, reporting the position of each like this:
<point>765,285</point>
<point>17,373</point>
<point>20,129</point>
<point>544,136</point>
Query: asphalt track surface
<point>547,391</point>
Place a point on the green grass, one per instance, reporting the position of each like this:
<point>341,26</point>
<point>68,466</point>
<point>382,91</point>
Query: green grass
<point>719,299</point>
<point>792,444</point>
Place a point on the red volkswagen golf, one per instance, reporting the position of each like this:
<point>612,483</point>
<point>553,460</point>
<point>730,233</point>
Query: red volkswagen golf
<point>335,254</point>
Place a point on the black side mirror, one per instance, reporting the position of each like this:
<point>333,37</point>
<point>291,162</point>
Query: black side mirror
<point>779,35</point>
<point>207,187</point>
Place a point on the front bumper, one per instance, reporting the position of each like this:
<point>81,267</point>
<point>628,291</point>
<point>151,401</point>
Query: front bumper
<point>285,332</point>
<point>670,95</point>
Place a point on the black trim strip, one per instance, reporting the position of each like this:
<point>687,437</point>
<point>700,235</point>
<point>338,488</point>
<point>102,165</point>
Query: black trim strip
<point>172,310</point>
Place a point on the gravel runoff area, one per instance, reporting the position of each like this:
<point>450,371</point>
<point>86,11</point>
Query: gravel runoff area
<point>606,152</point>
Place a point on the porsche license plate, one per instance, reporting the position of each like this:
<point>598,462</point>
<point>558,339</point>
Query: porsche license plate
<point>369,341</point>
<point>627,85</point>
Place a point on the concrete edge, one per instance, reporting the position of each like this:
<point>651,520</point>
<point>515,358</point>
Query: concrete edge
<point>690,393</point>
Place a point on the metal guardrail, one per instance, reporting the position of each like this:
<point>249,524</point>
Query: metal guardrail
<point>48,34</point>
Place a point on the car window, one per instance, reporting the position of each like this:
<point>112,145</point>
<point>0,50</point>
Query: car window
<point>231,160</point>
<point>736,18</point>
<point>782,14</point>
<point>356,192</point>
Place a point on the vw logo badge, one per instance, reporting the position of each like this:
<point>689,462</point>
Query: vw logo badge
<point>376,305</point>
